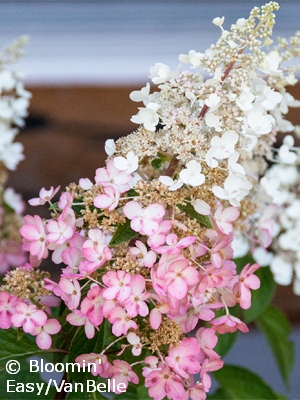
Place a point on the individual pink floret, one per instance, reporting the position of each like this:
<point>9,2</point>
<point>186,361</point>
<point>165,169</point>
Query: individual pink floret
<point>35,236</point>
<point>228,323</point>
<point>113,176</point>
<point>119,285</point>
<point>135,304</point>
<point>121,321</point>
<point>145,258</point>
<point>100,365</point>
<point>163,382</point>
<point>77,318</point>
<point>159,237</point>
<point>92,305</point>
<point>109,199</point>
<point>71,292</point>
<point>123,373</point>
<point>42,333</point>
<point>144,220</point>
<point>175,246</point>
<point>247,280</point>
<point>8,305</point>
<point>59,232</point>
<point>183,358</point>
<point>180,277</point>
<point>44,196</point>
<point>208,340</point>
<point>225,217</point>
<point>28,317</point>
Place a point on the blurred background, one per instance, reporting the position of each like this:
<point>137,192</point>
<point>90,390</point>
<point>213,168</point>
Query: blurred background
<point>82,60</point>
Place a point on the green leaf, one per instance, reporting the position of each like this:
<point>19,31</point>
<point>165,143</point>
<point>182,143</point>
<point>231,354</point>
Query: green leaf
<point>220,394</point>
<point>54,206</point>
<point>124,233</point>
<point>12,349</point>
<point>276,328</point>
<point>262,297</point>
<point>241,383</point>
<point>131,193</point>
<point>189,210</point>
<point>225,342</point>
<point>157,163</point>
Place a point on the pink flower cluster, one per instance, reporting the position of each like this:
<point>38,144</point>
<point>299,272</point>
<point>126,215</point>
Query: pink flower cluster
<point>181,278</point>
<point>16,313</point>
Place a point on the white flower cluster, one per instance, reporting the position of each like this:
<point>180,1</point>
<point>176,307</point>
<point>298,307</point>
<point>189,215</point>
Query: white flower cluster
<point>14,102</point>
<point>221,131</point>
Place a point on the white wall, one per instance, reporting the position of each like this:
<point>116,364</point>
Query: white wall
<point>117,42</point>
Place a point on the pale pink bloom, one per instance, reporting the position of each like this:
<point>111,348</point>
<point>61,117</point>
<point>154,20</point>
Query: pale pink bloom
<point>123,373</point>
<point>75,241</point>
<point>119,285</point>
<point>95,257</point>
<point>44,196</point>
<point>28,317</point>
<point>199,311</point>
<point>145,258</point>
<point>152,361</point>
<point>228,323</point>
<point>208,340</point>
<point>8,305</point>
<point>266,226</point>
<point>156,314</point>
<point>159,237</point>
<point>212,278</point>
<point>121,321</point>
<point>76,318</point>
<point>85,183</point>
<point>135,304</point>
<point>220,242</point>
<point>163,382</point>
<point>59,232</point>
<point>247,280</point>
<point>71,292</point>
<point>183,358</point>
<point>72,258</point>
<point>135,341</point>
<point>100,365</point>
<point>92,305</point>
<point>173,245</point>
<point>95,237</point>
<point>197,392</point>
<point>144,220</point>
<point>109,199</point>
<point>42,333</point>
<point>113,176</point>
<point>65,200</point>
<point>225,217</point>
<point>179,278</point>
<point>35,236</point>
<point>209,365</point>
